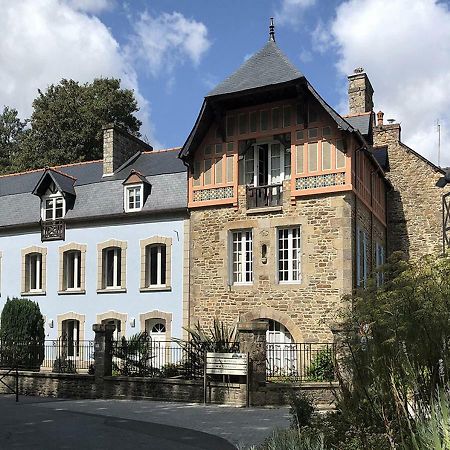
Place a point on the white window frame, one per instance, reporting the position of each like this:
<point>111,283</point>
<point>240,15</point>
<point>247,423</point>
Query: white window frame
<point>291,240</point>
<point>242,258</point>
<point>53,198</point>
<point>159,266</point>
<point>127,190</point>
<point>76,269</point>
<point>379,261</point>
<point>116,257</point>
<point>362,238</point>
<point>38,271</point>
<point>282,175</point>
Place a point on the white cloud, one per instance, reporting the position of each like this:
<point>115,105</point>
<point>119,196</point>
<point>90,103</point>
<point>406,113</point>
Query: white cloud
<point>91,6</point>
<point>165,41</point>
<point>46,40</point>
<point>404,46</point>
<point>290,11</point>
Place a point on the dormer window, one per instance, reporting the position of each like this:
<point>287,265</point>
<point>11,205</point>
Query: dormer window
<point>136,189</point>
<point>134,195</point>
<point>53,207</point>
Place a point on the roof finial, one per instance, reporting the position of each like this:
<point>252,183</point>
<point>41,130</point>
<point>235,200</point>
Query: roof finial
<point>271,30</point>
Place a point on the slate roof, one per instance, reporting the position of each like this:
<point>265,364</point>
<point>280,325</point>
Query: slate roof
<point>362,123</point>
<point>63,182</point>
<point>382,156</point>
<point>95,195</point>
<point>266,67</point>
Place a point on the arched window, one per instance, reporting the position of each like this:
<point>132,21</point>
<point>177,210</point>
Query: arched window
<point>112,265</point>
<point>155,265</point>
<point>34,270</point>
<point>72,270</point>
<point>111,257</point>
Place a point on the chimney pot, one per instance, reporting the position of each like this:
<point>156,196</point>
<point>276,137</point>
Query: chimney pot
<point>380,115</point>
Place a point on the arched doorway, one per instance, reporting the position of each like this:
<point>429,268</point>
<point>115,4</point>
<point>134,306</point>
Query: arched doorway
<point>282,360</point>
<point>156,329</point>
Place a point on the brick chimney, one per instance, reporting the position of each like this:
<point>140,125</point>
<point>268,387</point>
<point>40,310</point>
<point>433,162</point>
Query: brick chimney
<point>118,147</point>
<point>380,115</point>
<point>360,92</point>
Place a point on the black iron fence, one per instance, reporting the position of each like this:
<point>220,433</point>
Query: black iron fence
<point>59,355</point>
<point>145,357</point>
<point>300,362</point>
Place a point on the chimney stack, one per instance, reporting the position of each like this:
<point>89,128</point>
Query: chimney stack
<point>380,115</point>
<point>118,147</point>
<point>360,92</point>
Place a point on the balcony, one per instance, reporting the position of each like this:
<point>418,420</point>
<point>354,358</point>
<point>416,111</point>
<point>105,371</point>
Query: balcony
<point>53,230</point>
<point>264,196</point>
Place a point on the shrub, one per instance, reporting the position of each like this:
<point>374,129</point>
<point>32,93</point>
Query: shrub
<point>63,365</point>
<point>301,409</point>
<point>322,367</point>
<point>292,439</point>
<point>22,334</point>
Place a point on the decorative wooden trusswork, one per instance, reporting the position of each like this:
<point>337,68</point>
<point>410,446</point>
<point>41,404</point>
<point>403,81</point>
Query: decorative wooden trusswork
<point>53,230</point>
<point>264,196</point>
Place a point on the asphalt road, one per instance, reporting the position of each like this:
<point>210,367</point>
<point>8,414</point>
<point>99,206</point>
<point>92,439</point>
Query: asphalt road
<point>46,424</point>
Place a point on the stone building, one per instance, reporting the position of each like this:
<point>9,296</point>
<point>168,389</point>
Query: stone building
<point>287,200</point>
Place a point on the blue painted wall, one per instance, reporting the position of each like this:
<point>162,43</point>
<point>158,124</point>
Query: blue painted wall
<point>90,304</point>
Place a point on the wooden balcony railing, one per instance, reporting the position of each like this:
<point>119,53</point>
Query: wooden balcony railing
<point>53,230</point>
<point>264,196</point>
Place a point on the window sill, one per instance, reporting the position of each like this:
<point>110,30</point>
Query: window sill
<point>72,292</point>
<point>32,293</point>
<point>155,289</point>
<point>268,209</point>
<point>111,291</point>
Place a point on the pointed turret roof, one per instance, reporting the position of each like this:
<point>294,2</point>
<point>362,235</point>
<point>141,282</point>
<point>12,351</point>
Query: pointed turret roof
<point>269,66</point>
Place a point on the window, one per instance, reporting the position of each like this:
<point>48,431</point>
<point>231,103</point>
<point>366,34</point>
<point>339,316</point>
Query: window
<point>72,270</point>
<point>53,207</point>
<point>133,198</point>
<point>340,155</point>
<point>155,265</point>
<point>242,257</point>
<point>362,239</point>
<point>326,155</point>
<point>71,337</point>
<point>289,255</point>
<point>380,259</point>
<point>112,260</point>
<point>267,164</point>
<point>33,272</point>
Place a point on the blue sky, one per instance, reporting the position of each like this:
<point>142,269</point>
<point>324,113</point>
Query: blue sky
<point>172,52</point>
<point>236,29</point>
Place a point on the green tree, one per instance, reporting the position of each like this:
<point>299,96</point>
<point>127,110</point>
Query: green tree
<point>398,343</point>
<point>12,131</point>
<point>21,333</point>
<point>67,120</point>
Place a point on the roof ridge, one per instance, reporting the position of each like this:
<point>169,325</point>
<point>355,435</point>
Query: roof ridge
<point>163,150</point>
<point>13,174</point>
<point>61,173</point>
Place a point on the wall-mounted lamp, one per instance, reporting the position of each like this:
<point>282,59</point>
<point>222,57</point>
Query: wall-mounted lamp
<point>50,323</point>
<point>132,322</point>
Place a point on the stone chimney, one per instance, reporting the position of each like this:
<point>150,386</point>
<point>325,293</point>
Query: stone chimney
<point>360,92</point>
<point>118,147</point>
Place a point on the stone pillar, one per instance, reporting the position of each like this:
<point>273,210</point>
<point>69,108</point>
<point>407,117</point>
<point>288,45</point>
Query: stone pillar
<point>252,340</point>
<point>341,352</point>
<point>103,350</point>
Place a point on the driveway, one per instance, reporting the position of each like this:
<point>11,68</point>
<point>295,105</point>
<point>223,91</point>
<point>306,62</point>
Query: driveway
<point>104,424</point>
